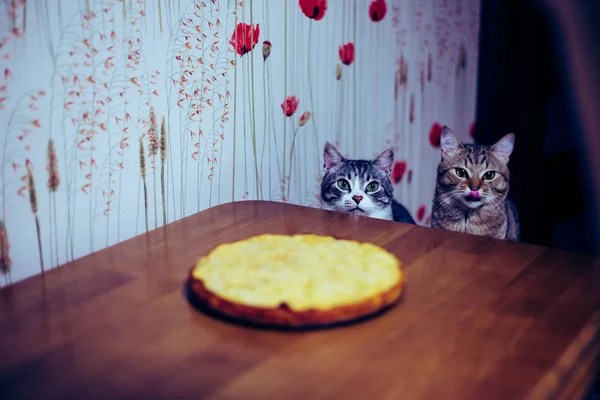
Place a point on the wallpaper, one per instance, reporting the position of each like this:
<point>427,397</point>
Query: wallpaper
<point>120,116</point>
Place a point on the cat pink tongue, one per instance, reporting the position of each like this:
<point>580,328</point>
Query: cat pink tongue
<point>474,194</point>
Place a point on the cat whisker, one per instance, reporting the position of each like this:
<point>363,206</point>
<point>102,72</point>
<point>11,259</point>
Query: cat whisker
<point>443,201</point>
<point>496,204</point>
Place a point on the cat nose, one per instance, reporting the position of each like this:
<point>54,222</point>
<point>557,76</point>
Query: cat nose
<point>357,198</point>
<point>474,184</point>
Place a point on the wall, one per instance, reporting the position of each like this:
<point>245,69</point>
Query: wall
<point>96,79</point>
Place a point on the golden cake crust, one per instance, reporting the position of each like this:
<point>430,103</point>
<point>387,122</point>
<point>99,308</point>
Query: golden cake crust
<point>299,312</point>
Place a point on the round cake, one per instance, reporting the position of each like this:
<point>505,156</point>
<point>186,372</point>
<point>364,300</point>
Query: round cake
<point>301,280</point>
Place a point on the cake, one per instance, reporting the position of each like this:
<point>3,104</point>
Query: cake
<point>300,280</point>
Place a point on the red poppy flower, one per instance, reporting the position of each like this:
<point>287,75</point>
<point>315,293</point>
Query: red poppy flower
<point>435,135</point>
<point>244,38</point>
<point>377,10</point>
<point>290,105</point>
<point>304,118</point>
<point>346,52</point>
<point>421,212</point>
<point>398,171</point>
<point>266,49</point>
<point>314,9</point>
<point>472,130</point>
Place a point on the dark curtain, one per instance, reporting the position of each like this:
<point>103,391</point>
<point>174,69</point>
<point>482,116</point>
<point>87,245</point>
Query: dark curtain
<point>524,88</point>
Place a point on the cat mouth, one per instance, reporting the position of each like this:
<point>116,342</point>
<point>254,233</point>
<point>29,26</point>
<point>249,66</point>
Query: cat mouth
<point>473,198</point>
<point>356,209</point>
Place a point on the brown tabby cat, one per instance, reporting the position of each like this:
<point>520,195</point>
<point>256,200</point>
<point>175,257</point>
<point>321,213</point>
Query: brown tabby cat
<point>472,184</point>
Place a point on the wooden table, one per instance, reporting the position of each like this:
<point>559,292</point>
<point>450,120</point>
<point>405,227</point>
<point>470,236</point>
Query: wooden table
<point>481,319</point>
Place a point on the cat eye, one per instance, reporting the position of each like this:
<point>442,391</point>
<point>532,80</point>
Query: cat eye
<point>343,184</point>
<point>488,176</point>
<point>372,186</point>
<point>461,173</point>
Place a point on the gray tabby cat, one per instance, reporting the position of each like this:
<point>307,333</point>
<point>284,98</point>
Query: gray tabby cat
<point>361,187</point>
<point>472,185</point>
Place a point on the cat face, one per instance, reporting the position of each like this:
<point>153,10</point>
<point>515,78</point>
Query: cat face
<point>357,186</point>
<point>474,175</point>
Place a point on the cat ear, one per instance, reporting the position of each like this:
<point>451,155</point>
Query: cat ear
<point>384,161</point>
<point>449,141</point>
<point>331,157</point>
<point>504,148</point>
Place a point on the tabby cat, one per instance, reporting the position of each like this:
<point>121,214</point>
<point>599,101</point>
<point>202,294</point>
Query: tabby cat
<point>472,185</point>
<point>361,187</point>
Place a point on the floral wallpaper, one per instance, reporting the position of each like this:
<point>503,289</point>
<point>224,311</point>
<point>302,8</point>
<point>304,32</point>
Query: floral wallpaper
<point>120,116</point>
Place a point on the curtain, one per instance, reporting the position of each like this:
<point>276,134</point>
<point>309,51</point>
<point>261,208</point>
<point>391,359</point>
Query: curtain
<point>536,80</point>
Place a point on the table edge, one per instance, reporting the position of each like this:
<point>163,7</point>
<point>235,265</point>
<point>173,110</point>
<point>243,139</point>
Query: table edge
<point>582,356</point>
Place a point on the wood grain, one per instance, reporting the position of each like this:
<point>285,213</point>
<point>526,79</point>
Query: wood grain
<point>480,318</point>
